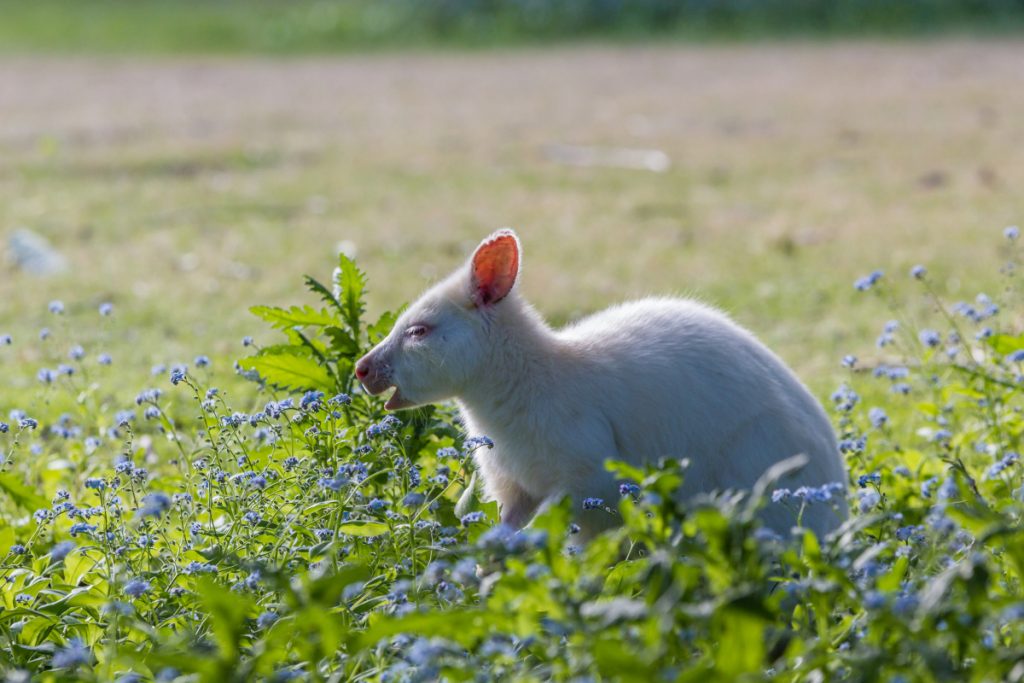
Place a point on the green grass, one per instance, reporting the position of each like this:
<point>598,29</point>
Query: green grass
<point>178,27</point>
<point>186,191</point>
<point>316,26</point>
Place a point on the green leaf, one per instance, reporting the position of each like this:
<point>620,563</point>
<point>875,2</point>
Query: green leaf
<point>289,371</point>
<point>22,494</point>
<point>296,348</point>
<point>625,471</point>
<point>617,661</point>
<point>363,528</point>
<point>1004,344</point>
<point>34,630</point>
<point>351,283</point>
<point>380,329</point>
<point>328,589</point>
<point>317,287</point>
<point>228,611</point>
<point>296,316</point>
<point>894,577</point>
<point>342,342</point>
<point>461,625</point>
<point>741,644</point>
<point>468,501</point>
<point>811,547</point>
<point>65,602</point>
<point>76,566</point>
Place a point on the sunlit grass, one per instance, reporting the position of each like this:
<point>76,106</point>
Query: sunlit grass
<point>186,191</point>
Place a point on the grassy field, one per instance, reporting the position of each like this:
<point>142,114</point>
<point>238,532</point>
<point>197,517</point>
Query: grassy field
<point>331,26</point>
<point>210,530</point>
<point>186,191</point>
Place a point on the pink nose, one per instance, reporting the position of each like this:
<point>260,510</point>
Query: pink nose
<point>362,369</point>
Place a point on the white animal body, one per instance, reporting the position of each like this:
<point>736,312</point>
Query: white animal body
<point>636,382</point>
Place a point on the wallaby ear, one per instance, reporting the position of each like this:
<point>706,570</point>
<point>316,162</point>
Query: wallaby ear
<point>494,268</point>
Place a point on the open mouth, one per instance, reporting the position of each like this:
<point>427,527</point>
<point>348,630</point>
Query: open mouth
<point>397,401</point>
<point>376,385</point>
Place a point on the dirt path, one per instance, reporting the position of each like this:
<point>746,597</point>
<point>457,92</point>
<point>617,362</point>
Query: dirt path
<point>671,96</point>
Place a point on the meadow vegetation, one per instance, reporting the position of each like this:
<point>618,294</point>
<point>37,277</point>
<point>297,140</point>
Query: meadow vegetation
<point>289,530</point>
<point>165,514</point>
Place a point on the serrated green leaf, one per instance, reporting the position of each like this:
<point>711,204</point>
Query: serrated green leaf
<point>342,342</point>
<point>296,316</point>
<point>318,287</point>
<point>380,329</point>
<point>296,349</point>
<point>351,284</point>
<point>289,371</point>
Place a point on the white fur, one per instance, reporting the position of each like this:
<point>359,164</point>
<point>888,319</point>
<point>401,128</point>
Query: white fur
<point>635,382</point>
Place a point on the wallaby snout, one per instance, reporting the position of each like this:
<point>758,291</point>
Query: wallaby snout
<point>374,375</point>
<point>362,368</point>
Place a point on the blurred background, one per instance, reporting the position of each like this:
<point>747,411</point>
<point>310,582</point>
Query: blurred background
<point>188,159</point>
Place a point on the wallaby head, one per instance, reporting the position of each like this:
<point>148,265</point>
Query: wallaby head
<point>448,335</point>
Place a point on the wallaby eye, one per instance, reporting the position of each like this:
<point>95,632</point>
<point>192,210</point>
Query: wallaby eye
<point>417,331</point>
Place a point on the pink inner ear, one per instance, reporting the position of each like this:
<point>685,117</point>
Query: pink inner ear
<point>495,266</point>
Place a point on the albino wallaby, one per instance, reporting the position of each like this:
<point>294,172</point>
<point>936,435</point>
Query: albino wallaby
<point>638,381</point>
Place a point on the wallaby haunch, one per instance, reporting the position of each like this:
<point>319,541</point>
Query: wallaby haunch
<point>635,382</point>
